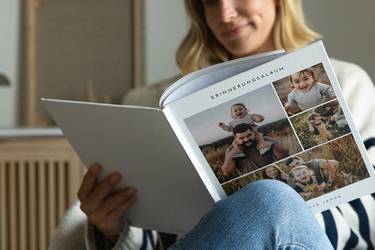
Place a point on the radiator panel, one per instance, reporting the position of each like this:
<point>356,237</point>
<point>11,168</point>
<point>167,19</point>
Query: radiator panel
<point>39,178</point>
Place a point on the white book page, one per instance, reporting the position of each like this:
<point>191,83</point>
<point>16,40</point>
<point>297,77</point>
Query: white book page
<point>333,165</point>
<point>203,78</point>
<point>138,143</point>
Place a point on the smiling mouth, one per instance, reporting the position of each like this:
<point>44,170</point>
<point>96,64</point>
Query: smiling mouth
<point>304,89</point>
<point>233,32</point>
<point>305,179</point>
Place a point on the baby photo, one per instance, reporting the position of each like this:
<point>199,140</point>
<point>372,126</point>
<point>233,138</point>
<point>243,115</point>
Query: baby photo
<point>304,89</point>
<point>314,172</point>
<point>245,134</point>
<point>320,124</point>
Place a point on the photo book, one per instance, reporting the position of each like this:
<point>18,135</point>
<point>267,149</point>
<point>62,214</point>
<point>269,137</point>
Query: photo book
<point>276,115</point>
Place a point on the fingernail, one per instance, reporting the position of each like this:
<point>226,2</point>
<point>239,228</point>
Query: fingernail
<point>95,167</point>
<point>115,177</point>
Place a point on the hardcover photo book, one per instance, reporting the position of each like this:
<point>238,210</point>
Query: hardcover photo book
<point>276,115</point>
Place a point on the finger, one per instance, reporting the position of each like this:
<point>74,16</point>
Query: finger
<point>116,199</point>
<point>121,210</point>
<point>89,181</point>
<point>96,197</point>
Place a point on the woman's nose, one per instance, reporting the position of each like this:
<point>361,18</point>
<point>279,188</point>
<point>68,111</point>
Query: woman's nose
<point>227,10</point>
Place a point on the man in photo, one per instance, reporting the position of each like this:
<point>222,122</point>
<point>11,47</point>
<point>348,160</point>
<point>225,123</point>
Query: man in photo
<point>325,171</point>
<point>306,183</point>
<point>245,141</point>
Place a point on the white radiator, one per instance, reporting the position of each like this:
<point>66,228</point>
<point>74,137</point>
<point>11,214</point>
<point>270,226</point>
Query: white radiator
<point>39,178</point>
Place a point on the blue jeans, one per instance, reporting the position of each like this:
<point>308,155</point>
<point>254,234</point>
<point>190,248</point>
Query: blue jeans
<point>266,214</point>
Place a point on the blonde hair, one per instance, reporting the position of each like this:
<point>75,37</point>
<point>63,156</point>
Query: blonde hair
<point>200,48</point>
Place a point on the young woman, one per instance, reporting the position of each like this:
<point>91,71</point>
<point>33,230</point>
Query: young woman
<point>275,173</point>
<point>223,30</point>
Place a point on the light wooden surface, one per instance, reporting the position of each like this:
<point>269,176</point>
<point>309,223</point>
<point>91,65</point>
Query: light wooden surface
<point>138,42</point>
<point>39,179</point>
<point>30,65</point>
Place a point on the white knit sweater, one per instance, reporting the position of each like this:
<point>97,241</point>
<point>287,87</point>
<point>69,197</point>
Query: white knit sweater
<point>74,232</point>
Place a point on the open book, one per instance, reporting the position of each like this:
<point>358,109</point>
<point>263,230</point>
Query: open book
<point>271,116</point>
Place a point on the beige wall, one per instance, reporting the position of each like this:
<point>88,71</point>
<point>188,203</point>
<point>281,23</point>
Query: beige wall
<point>84,40</point>
<point>347,27</point>
<point>9,28</point>
<point>165,26</point>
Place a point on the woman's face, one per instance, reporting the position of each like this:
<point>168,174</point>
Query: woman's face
<point>243,27</point>
<point>271,172</point>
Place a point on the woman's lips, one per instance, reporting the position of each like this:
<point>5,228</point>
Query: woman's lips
<point>235,31</point>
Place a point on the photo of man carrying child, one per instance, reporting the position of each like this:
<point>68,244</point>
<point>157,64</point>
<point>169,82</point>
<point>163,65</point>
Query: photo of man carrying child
<point>251,159</point>
<point>244,134</point>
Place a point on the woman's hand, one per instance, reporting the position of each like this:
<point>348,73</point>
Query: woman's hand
<point>103,207</point>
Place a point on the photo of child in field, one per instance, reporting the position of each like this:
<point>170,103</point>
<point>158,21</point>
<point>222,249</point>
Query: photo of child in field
<point>314,172</point>
<point>304,89</point>
<point>320,124</point>
<point>237,137</point>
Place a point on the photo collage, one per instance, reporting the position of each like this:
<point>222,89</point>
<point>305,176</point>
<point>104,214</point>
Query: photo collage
<point>292,130</point>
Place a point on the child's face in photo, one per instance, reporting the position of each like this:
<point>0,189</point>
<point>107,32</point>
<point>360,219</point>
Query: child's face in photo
<point>271,172</point>
<point>303,81</point>
<point>302,174</point>
<point>238,111</point>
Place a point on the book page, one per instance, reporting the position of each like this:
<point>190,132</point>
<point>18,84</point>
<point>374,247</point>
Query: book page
<point>203,78</point>
<point>285,120</point>
<point>138,143</point>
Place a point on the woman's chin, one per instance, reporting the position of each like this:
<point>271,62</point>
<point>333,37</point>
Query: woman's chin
<point>243,49</point>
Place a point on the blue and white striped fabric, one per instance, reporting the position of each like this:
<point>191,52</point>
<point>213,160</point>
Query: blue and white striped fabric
<point>150,240</point>
<point>351,225</point>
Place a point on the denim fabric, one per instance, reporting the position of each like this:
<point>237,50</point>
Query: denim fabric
<point>266,214</point>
